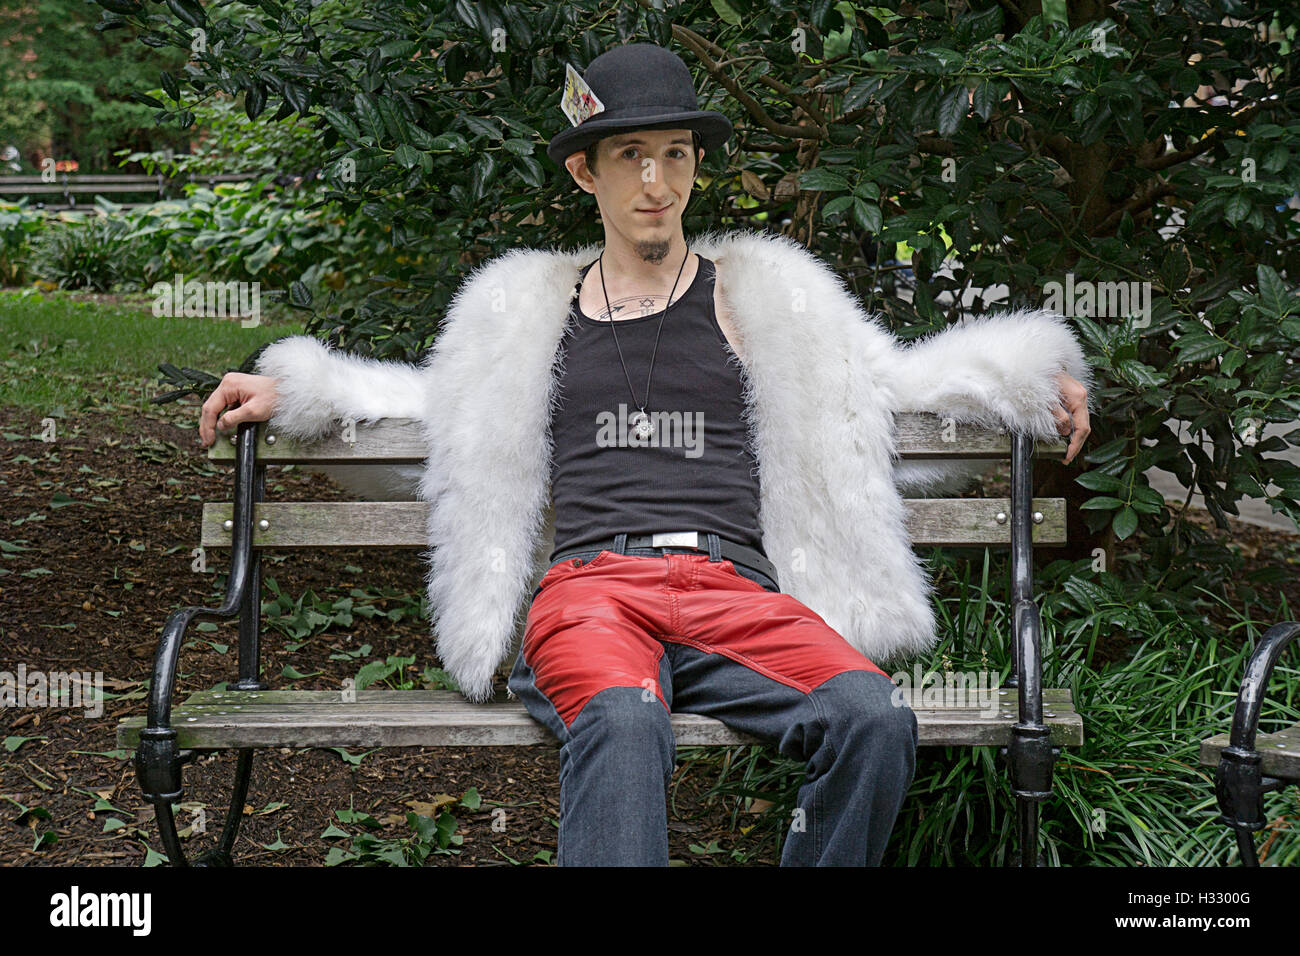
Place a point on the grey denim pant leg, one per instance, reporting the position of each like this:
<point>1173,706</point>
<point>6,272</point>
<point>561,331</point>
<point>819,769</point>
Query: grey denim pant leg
<point>617,758</point>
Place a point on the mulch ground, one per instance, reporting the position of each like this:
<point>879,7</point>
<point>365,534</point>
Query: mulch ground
<point>96,532</point>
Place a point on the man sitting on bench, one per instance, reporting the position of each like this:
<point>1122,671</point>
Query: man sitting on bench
<point>660,595</point>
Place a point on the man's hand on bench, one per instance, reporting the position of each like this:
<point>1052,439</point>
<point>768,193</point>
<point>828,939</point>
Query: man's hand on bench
<point>250,398</point>
<point>1072,414</point>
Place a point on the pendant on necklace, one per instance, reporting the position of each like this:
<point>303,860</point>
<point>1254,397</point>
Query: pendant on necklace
<point>641,424</point>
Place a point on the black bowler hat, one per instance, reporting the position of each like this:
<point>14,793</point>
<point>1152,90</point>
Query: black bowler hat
<point>642,86</point>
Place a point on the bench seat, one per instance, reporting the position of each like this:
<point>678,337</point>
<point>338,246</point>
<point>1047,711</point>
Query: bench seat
<point>218,720</point>
<point>1279,752</point>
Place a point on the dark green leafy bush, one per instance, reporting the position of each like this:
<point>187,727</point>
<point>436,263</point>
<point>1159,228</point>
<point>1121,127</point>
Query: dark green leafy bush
<point>19,226</point>
<point>93,253</point>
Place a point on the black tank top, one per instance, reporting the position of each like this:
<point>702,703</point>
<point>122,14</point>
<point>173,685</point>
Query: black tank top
<point>697,472</point>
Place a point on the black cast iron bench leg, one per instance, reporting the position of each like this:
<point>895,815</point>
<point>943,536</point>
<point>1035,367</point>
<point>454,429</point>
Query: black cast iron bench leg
<point>221,855</point>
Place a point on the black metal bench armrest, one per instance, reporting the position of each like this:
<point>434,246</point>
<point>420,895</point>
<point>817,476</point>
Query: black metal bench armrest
<point>1239,785</point>
<point>158,763</point>
<point>1029,753</point>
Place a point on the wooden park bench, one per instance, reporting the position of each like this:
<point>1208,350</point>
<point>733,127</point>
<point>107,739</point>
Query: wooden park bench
<point>1030,726</point>
<point>1249,764</point>
<point>68,186</point>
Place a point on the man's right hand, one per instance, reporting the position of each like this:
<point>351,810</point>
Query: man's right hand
<point>252,398</point>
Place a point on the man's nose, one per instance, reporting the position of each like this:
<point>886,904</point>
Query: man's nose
<point>657,194</point>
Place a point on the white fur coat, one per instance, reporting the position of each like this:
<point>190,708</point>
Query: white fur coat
<point>822,381</point>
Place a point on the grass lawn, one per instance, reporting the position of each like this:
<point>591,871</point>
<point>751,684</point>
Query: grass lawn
<point>67,352</point>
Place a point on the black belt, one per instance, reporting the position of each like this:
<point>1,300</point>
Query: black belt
<point>733,551</point>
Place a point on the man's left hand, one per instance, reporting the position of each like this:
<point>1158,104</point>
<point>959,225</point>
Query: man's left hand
<point>1072,414</point>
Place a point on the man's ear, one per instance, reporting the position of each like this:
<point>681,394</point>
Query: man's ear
<point>576,164</point>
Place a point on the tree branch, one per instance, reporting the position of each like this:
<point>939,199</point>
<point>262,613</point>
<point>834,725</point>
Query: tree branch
<point>1137,204</point>
<point>771,82</point>
<point>1208,141</point>
<point>700,47</point>
<point>935,144</point>
<point>768,147</point>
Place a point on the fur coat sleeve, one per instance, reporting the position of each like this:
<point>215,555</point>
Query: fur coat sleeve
<point>1001,372</point>
<point>318,385</point>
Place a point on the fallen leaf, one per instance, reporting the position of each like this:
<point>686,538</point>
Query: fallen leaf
<point>430,808</point>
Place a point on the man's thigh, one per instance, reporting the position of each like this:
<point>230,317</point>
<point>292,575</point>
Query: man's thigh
<point>795,720</point>
<point>720,612</point>
<point>763,662</point>
<point>592,627</point>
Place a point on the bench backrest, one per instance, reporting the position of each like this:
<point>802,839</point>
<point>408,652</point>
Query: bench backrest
<point>401,524</point>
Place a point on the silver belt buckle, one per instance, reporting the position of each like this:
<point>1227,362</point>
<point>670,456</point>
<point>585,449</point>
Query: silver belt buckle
<point>676,539</point>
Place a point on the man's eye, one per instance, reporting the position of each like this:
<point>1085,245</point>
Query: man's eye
<point>679,153</point>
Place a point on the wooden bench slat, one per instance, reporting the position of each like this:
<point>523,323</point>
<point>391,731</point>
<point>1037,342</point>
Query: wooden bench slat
<point>1051,695</point>
<point>931,522</point>
<point>400,441</point>
<point>956,522</point>
<point>1279,752</point>
<point>345,711</point>
<point>443,718</point>
<point>392,441</point>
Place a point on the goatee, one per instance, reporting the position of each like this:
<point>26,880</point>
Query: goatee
<point>653,250</point>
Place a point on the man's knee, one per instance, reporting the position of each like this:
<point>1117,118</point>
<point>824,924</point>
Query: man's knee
<point>628,727</point>
<point>624,716</point>
<point>864,704</point>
